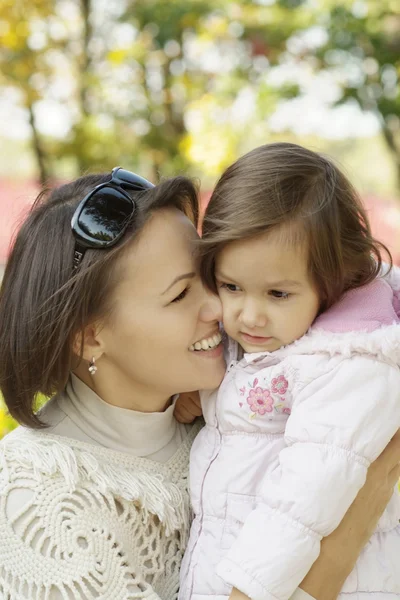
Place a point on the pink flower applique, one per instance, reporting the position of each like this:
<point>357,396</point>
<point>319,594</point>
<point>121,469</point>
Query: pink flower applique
<point>242,390</point>
<point>286,410</point>
<point>279,385</point>
<point>260,401</point>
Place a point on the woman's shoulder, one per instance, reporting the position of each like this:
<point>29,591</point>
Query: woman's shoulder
<point>75,515</point>
<point>46,461</point>
<point>48,453</point>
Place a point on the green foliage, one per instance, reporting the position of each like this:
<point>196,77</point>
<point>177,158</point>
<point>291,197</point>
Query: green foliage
<point>147,79</point>
<point>7,423</point>
<point>363,49</point>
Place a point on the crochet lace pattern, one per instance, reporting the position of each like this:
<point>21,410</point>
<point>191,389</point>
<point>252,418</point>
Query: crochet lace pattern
<point>87,522</point>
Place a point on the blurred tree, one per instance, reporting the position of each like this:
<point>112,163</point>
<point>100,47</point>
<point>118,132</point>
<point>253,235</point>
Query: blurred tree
<point>360,47</point>
<point>23,65</point>
<point>194,60</point>
<point>45,53</point>
<point>186,84</point>
<point>159,60</point>
<point>136,79</point>
<point>364,40</point>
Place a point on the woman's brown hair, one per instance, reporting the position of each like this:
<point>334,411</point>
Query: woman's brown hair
<point>285,184</point>
<point>43,305</point>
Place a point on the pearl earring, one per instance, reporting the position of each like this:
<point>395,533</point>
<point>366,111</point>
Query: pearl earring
<point>92,367</point>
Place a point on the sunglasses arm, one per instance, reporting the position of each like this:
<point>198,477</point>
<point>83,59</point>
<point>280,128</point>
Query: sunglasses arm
<point>79,252</point>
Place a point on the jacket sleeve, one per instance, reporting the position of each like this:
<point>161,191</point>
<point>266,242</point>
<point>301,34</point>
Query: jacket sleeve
<point>340,423</point>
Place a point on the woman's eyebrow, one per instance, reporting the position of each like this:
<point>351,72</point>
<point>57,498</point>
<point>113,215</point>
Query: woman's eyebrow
<point>179,278</point>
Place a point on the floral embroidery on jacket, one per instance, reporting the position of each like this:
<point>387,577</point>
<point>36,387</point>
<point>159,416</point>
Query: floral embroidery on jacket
<point>260,401</point>
<point>266,400</point>
<point>279,385</point>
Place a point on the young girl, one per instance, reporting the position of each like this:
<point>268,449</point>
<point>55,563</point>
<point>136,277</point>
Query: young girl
<point>311,395</point>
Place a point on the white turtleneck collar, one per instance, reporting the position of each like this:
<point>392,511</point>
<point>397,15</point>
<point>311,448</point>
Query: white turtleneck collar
<point>81,414</point>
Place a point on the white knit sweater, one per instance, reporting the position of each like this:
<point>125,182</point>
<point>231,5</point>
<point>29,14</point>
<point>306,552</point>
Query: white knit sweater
<point>96,506</point>
<point>80,520</point>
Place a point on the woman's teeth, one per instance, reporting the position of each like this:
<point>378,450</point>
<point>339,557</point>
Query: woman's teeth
<point>207,343</point>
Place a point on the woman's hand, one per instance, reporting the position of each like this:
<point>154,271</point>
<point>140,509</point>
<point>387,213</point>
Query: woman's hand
<point>188,407</point>
<point>340,550</point>
<point>237,595</point>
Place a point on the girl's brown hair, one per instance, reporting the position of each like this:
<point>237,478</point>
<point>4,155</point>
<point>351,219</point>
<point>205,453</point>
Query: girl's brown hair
<point>43,305</point>
<point>285,184</point>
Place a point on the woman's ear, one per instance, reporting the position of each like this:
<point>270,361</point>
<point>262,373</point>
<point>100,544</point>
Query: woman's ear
<point>88,343</point>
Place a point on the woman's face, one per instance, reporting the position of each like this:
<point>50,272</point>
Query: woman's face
<point>160,310</point>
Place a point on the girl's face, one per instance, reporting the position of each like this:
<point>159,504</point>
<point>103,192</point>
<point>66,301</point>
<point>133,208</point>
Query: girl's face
<point>160,310</point>
<point>268,299</point>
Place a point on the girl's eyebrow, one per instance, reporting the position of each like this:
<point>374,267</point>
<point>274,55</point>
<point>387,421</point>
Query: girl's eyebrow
<point>220,275</point>
<point>283,283</point>
<point>179,278</point>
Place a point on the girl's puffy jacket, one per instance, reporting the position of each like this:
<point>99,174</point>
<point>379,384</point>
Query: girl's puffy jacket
<point>289,437</point>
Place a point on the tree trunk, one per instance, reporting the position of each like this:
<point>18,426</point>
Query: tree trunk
<point>86,58</point>
<point>175,120</point>
<point>84,66</point>
<point>393,148</point>
<point>37,147</point>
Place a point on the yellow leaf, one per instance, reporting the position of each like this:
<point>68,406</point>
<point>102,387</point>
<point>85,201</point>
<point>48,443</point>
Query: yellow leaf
<point>117,57</point>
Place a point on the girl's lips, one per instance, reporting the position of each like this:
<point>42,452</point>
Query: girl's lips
<point>255,339</point>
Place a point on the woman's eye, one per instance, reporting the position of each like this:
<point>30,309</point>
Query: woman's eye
<point>279,295</point>
<point>231,287</point>
<point>181,296</point>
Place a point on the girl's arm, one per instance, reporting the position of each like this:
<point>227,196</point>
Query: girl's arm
<point>340,423</point>
<point>340,550</point>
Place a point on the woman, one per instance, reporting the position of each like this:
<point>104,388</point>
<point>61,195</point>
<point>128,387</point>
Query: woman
<point>102,305</point>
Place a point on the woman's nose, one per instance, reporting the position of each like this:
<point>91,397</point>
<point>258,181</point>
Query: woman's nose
<point>212,308</point>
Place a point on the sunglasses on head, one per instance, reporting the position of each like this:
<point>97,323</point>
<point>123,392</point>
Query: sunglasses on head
<point>104,214</point>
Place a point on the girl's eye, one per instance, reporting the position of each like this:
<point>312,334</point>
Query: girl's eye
<point>182,295</point>
<point>279,295</point>
<point>231,287</point>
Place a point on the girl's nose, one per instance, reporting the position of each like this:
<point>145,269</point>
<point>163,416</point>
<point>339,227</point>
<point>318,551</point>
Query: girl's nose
<point>252,315</point>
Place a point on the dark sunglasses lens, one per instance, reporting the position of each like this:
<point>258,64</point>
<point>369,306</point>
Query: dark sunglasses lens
<point>106,214</point>
<point>133,181</point>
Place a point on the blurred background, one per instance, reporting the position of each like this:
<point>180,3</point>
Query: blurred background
<point>164,87</point>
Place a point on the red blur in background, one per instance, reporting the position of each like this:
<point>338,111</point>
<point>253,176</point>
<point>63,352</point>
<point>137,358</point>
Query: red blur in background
<point>16,198</point>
